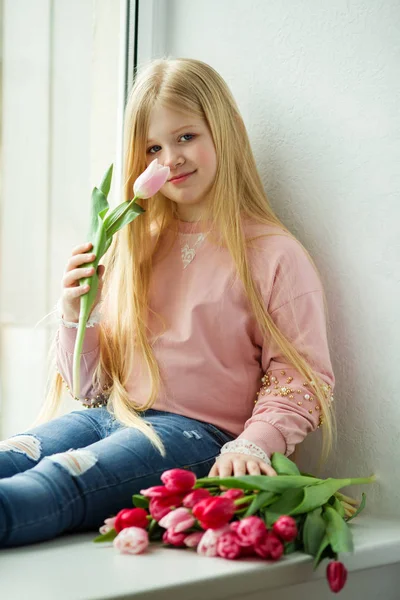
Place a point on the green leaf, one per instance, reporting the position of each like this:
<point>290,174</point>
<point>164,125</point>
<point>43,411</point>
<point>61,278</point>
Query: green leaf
<point>259,482</point>
<point>291,547</point>
<point>134,211</point>
<point>337,530</point>
<point>360,508</point>
<point>319,494</point>
<point>106,181</point>
<point>99,204</point>
<point>260,501</point>
<point>285,504</point>
<point>107,537</point>
<point>140,501</point>
<point>283,465</point>
<point>314,531</point>
<point>103,213</point>
<point>114,217</point>
<point>324,551</point>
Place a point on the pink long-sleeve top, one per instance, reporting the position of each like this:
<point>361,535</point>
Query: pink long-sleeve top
<point>212,357</point>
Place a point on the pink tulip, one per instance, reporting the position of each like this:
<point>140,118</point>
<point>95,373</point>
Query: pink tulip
<point>208,543</point>
<point>132,540</point>
<point>249,530</point>
<point>269,546</point>
<point>194,497</point>
<point>336,574</point>
<point>193,539</point>
<point>178,480</point>
<point>178,520</point>
<point>159,507</point>
<point>285,528</point>
<point>228,545</point>
<point>108,525</point>
<point>151,180</point>
<point>213,513</point>
<point>174,538</point>
<point>157,491</point>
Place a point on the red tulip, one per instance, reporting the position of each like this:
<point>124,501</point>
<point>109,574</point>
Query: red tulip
<point>213,513</point>
<point>131,517</point>
<point>336,574</point>
<point>178,480</point>
<point>285,528</point>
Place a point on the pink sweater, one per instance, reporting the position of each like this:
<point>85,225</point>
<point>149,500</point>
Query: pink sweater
<point>211,356</point>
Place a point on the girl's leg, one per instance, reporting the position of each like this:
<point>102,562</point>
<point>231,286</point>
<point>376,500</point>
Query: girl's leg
<point>77,490</point>
<point>74,430</point>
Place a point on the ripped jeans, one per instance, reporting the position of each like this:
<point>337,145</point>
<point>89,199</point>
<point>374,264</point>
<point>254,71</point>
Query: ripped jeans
<point>71,473</point>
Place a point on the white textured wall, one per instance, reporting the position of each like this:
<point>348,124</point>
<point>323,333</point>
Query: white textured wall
<point>318,86</point>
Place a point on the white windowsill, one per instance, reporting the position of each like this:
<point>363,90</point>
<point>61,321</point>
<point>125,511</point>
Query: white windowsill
<point>74,568</point>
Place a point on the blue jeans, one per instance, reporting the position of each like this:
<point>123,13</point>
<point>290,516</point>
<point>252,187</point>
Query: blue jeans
<point>47,490</point>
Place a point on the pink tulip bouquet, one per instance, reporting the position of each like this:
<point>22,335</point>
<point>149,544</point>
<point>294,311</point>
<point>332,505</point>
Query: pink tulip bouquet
<point>256,516</point>
<point>103,224</point>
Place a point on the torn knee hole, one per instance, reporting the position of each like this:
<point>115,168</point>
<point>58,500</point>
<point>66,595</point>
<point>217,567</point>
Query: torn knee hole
<point>76,462</point>
<point>23,444</point>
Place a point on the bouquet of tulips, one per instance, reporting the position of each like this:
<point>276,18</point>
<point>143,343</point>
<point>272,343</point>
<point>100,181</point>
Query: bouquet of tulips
<point>103,224</point>
<point>256,515</point>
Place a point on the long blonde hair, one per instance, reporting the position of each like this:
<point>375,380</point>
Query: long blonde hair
<point>190,86</point>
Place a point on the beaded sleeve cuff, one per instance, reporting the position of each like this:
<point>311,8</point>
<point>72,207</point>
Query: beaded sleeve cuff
<point>245,447</point>
<point>94,318</point>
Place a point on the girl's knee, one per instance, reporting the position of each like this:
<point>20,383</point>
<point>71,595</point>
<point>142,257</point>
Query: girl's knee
<point>26,444</point>
<point>75,462</point>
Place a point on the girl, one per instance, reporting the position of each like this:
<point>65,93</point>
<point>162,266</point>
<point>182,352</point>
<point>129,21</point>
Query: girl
<point>210,352</point>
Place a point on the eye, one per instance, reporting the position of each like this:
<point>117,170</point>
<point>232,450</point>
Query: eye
<point>191,135</point>
<point>150,149</point>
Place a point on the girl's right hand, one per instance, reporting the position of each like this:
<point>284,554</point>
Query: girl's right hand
<point>71,289</point>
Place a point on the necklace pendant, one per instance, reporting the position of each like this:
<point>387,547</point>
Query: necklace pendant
<point>188,255</point>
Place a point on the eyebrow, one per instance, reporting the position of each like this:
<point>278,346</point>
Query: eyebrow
<point>176,131</point>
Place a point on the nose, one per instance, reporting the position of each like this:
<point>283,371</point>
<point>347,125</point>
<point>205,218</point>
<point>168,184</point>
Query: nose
<point>172,158</point>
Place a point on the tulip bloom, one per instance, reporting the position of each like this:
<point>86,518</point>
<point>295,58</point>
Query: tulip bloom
<point>228,545</point>
<point>159,507</point>
<point>178,480</point>
<point>194,497</point>
<point>336,574</point>
<point>285,528</point>
<point>131,517</point>
<point>174,538</point>
<point>103,224</point>
<point>249,530</point>
<point>213,513</point>
<point>108,525</point>
<point>208,543</point>
<point>178,520</point>
<point>132,540</point>
<point>269,546</point>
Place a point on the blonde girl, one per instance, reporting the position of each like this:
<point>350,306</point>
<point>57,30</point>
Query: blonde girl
<point>208,346</point>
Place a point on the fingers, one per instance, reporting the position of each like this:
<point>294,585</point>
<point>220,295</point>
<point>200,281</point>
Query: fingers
<point>71,278</point>
<point>82,248</point>
<point>75,292</point>
<point>79,259</point>
<point>237,465</point>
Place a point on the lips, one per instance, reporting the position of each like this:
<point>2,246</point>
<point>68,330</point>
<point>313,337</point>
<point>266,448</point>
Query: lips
<point>181,175</point>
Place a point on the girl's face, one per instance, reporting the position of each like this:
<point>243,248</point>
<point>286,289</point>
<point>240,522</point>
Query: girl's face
<point>184,144</point>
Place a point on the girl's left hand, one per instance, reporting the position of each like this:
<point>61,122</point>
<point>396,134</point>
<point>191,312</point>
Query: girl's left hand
<point>233,463</point>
